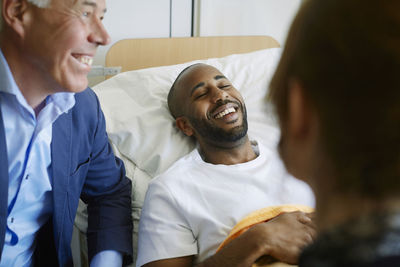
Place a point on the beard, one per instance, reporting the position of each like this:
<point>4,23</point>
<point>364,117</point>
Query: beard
<point>213,133</point>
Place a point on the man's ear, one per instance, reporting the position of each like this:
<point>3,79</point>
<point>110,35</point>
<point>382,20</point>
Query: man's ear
<point>184,125</point>
<point>300,118</point>
<point>14,14</point>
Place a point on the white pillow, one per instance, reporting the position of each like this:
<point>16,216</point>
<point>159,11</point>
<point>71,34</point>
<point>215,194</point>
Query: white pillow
<point>140,126</point>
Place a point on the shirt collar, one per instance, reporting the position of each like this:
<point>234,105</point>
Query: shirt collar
<point>63,100</point>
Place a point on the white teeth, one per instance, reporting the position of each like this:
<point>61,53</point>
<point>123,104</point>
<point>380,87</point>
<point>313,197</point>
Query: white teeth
<point>86,60</point>
<point>224,112</point>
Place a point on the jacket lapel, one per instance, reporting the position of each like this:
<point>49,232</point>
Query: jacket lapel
<point>3,183</point>
<point>60,160</point>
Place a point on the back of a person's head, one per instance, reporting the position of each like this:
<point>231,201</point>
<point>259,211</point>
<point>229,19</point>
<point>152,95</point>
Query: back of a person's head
<point>346,56</point>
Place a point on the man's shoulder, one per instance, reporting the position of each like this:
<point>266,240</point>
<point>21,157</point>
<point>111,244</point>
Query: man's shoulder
<point>179,170</point>
<point>85,98</point>
<point>87,107</point>
<point>85,114</point>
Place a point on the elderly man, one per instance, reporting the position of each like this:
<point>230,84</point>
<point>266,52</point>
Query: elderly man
<point>53,144</point>
<point>190,209</point>
<point>337,93</point>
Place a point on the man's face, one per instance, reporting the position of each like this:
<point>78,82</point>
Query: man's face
<point>214,108</point>
<point>61,41</point>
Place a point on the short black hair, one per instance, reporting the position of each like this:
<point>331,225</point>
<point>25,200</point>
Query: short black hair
<point>173,108</point>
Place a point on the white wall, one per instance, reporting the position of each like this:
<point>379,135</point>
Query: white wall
<point>152,18</point>
<point>144,19</point>
<point>246,17</point>
<point>181,18</point>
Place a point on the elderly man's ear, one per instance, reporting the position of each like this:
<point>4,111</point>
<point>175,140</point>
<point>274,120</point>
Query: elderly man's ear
<point>184,125</point>
<point>15,15</point>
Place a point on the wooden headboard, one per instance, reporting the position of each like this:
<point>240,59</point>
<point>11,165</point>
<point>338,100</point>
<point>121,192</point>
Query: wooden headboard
<point>133,54</point>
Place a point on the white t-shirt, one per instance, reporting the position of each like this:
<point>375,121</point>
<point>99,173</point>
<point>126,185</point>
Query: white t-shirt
<point>191,208</point>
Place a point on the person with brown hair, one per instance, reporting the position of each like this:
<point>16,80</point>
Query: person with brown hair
<point>337,95</point>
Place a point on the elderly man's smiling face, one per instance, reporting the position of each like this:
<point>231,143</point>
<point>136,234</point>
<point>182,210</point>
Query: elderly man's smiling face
<point>213,106</point>
<point>61,41</point>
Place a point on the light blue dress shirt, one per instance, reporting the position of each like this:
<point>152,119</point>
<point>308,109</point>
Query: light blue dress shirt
<point>28,140</point>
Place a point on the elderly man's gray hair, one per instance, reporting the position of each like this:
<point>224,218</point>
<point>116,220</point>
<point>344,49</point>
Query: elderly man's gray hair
<point>38,3</point>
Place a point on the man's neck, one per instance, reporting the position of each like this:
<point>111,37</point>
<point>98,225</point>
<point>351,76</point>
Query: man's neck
<point>229,154</point>
<point>27,77</point>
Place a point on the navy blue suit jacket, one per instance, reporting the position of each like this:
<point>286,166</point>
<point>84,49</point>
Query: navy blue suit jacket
<point>85,167</point>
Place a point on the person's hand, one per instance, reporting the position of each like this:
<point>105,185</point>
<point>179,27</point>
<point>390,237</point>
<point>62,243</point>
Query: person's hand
<point>281,238</point>
<point>286,235</point>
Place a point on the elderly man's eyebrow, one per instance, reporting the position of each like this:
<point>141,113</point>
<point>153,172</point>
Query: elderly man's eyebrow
<point>90,3</point>
<point>93,4</point>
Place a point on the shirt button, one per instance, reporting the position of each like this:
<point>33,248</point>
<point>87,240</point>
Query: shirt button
<point>26,178</point>
<point>12,219</point>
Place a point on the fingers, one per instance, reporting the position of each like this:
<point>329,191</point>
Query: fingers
<point>307,219</point>
<point>310,228</point>
<point>289,233</point>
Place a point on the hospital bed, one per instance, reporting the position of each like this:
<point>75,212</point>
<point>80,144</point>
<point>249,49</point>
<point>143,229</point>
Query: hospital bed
<point>140,128</point>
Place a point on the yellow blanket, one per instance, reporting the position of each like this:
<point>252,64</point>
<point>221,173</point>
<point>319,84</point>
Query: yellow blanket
<point>260,216</point>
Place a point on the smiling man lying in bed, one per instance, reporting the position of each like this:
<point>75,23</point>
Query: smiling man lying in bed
<point>191,208</point>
